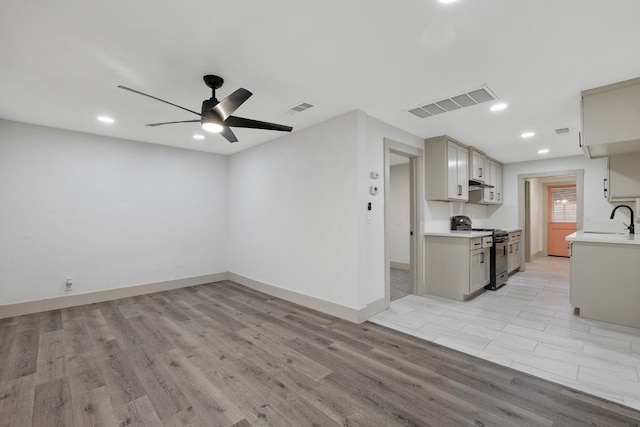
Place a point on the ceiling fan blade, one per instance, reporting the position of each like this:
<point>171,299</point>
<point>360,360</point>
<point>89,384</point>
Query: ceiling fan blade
<point>241,122</point>
<point>227,133</point>
<point>227,106</point>
<point>158,99</point>
<point>170,123</point>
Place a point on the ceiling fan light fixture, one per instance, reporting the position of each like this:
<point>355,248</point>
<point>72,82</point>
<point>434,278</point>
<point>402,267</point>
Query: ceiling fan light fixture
<point>212,127</point>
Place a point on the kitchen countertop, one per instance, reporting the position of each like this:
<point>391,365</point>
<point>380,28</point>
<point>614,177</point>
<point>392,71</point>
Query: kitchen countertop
<point>463,234</point>
<point>511,230</point>
<point>600,237</point>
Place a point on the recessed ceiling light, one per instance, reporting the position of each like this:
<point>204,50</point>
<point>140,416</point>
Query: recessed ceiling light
<point>105,119</point>
<point>198,136</point>
<point>447,1</point>
<point>527,134</point>
<point>543,151</point>
<point>498,107</point>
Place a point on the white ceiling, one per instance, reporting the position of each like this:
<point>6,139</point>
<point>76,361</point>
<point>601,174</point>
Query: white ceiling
<point>60,63</point>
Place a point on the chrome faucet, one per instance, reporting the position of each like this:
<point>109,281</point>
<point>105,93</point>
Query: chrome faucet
<point>631,225</point>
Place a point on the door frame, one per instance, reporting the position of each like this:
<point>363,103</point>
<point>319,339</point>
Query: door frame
<point>546,218</point>
<point>416,192</point>
<point>578,173</point>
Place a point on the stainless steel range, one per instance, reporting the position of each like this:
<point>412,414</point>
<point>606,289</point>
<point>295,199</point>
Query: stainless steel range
<point>498,265</point>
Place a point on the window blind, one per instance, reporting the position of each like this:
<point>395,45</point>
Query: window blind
<point>564,209</point>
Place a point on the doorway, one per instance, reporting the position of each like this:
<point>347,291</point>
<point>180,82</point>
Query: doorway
<point>534,208</point>
<point>561,214</point>
<point>403,220</point>
<point>400,226</point>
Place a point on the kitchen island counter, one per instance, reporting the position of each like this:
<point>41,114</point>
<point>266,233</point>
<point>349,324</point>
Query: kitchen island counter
<point>604,276</point>
<point>604,237</point>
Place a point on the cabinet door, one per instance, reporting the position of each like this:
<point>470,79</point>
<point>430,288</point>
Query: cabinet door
<point>513,256</point>
<point>457,183</point>
<point>463,172</point>
<point>498,184</point>
<point>510,257</point>
<point>624,177</point>
<point>479,269</point>
<point>477,165</point>
<point>610,119</point>
<point>516,255</point>
<point>490,193</point>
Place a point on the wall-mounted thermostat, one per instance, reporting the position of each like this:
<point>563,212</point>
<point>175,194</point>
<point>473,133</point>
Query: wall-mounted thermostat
<point>375,175</point>
<point>373,190</point>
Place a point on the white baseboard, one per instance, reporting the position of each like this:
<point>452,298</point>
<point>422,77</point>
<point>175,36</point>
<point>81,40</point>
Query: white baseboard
<point>400,265</point>
<point>341,311</point>
<point>371,309</point>
<point>536,255</point>
<point>18,309</point>
<point>337,310</point>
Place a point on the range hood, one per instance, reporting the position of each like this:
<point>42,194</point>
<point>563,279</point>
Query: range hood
<point>477,185</point>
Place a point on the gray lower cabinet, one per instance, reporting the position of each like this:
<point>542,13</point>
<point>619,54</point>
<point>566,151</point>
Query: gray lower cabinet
<point>513,251</point>
<point>479,266</point>
<point>604,281</point>
<point>456,267</point>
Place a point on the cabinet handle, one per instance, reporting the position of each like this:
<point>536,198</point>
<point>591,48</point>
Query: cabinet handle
<point>580,139</point>
<point>480,172</point>
<point>481,257</point>
<point>604,187</point>
<point>491,193</point>
<point>459,190</point>
<point>510,249</point>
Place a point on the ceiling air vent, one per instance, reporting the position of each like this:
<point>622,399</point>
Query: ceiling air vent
<point>304,106</point>
<point>563,131</point>
<point>457,102</point>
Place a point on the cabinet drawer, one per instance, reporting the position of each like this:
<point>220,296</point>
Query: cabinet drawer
<point>475,243</point>
<point>487,242</point>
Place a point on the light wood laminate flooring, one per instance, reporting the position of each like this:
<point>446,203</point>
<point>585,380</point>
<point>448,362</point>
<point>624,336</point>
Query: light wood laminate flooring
<point>530,325</point>
<point>224,355</point>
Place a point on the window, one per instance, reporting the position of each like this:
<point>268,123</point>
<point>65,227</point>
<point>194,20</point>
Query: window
<point>564,204</point>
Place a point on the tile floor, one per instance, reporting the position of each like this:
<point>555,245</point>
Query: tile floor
<point>529,325</point>
<point>400,283</point>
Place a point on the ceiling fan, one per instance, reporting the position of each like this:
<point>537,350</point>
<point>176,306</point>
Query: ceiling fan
<point>215,116</point>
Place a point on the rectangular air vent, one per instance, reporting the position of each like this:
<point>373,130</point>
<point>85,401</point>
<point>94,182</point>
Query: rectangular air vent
<point>457,102</point>
<point>303,106</point>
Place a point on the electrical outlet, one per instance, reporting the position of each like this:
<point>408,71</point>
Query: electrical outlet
<point>68,284</point>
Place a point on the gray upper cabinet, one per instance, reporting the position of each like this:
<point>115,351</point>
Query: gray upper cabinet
<point>624,178</point>
<point>477,164</point>
<point>493,176</point>
<point>446,169</point>
<point>611,119</point>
